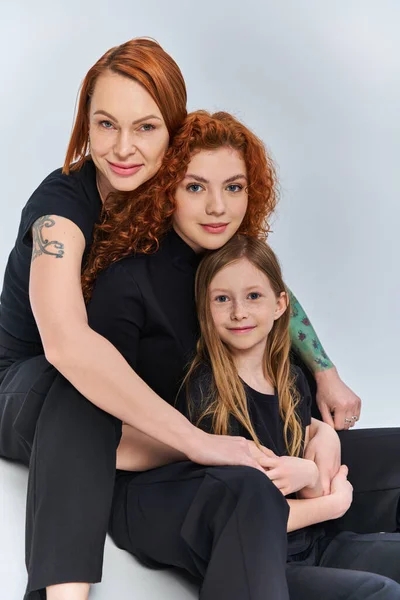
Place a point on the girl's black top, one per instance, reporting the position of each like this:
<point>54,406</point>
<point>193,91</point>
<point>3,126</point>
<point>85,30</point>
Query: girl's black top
<point>263,409</point>
<point>74,197</point>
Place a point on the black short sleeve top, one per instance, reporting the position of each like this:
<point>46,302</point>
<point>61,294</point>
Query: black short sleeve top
<point>72,196</point>
<point>263,409</point>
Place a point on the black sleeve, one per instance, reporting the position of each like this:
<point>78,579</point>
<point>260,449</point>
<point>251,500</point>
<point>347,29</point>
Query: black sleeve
<point>64,196</point>
<point>116,311</point>
<point>304,406</point>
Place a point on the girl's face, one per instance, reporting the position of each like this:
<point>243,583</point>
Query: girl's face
<point>211,201</point>
<point>244,306</point>
<point>128,135</point>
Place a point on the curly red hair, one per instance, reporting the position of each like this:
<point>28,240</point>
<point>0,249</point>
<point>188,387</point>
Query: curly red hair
<point>136,221</point>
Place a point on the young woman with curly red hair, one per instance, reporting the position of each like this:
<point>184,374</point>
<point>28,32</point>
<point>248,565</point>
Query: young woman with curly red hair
<point>216,180</point>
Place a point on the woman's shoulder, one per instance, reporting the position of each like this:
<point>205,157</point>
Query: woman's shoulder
<point>79,181</point>
<point>126,271</point>
<point>74,197</point>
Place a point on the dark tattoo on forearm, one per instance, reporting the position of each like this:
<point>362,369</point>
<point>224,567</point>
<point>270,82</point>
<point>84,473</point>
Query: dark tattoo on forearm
<point>41,245</point>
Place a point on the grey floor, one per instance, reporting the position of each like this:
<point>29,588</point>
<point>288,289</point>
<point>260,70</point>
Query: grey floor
<point>123,577</point>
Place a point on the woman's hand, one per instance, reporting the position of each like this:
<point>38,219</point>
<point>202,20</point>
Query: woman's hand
<point>342,492</point>
<point>291,474</point>
<point>226,450</point>
<point>324,449</point>
<point>336,401</point>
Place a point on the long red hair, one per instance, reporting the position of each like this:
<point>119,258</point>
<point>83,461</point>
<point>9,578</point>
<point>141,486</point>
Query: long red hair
<point>145,61</point>
<point>136,221</point>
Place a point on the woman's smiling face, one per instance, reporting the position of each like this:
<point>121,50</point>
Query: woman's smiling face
<point>128,134</point>
<point>211,200</point>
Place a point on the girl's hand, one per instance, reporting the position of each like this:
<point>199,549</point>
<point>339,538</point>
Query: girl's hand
<point>341,492</point>
<point>324,449</point>
<point>291,474</point>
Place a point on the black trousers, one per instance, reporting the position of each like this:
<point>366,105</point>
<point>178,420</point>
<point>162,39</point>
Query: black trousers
<point>70,446</point>
<point>226,526</point>
<point>374,471</point>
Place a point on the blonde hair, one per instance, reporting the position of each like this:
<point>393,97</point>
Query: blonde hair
<point>227,397</point>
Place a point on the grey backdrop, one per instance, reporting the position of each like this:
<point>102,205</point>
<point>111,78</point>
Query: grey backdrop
<point>317,80</point>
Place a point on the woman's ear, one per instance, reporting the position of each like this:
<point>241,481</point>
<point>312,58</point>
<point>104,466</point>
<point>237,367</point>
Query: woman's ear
<point>281,305</point>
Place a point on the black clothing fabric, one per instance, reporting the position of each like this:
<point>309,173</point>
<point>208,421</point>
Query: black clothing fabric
<point>144,305</point>
<point>74,448</point>
<point>374,471</point>
<point>213,522</point>
<point>263,409</point>
<point>74,197</point>
<point>348,567</point>
<point>223,525</point>
<point>267,422</point>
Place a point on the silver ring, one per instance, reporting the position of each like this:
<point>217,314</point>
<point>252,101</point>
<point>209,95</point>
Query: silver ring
<point>355,418</point>
<point>348,420</point>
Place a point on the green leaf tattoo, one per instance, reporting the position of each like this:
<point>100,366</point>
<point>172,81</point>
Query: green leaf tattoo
<point>42,245</point>
<point>305,340</point>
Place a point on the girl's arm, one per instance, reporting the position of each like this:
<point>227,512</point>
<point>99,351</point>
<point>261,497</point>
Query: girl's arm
<point>93,365</point>
<point>334,397</point>
<point>304,513</point>
<point>323,448</point>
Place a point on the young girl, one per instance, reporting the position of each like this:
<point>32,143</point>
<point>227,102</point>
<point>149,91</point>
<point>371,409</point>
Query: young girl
<point>241,383</point>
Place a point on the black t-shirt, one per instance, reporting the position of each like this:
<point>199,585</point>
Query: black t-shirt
<point>74,197</point>
<point>263,409</point>
<point>268,425</point>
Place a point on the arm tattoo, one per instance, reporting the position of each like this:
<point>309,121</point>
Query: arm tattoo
<point>305,340</point>
<point>41,245</point>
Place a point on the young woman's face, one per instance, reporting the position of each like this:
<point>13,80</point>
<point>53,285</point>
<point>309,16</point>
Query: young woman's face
<point>211,201</point>
<point>244,306</point>
<point>128,135</point>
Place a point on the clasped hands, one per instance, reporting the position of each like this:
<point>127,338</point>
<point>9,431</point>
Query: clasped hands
<point>313,474</point>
